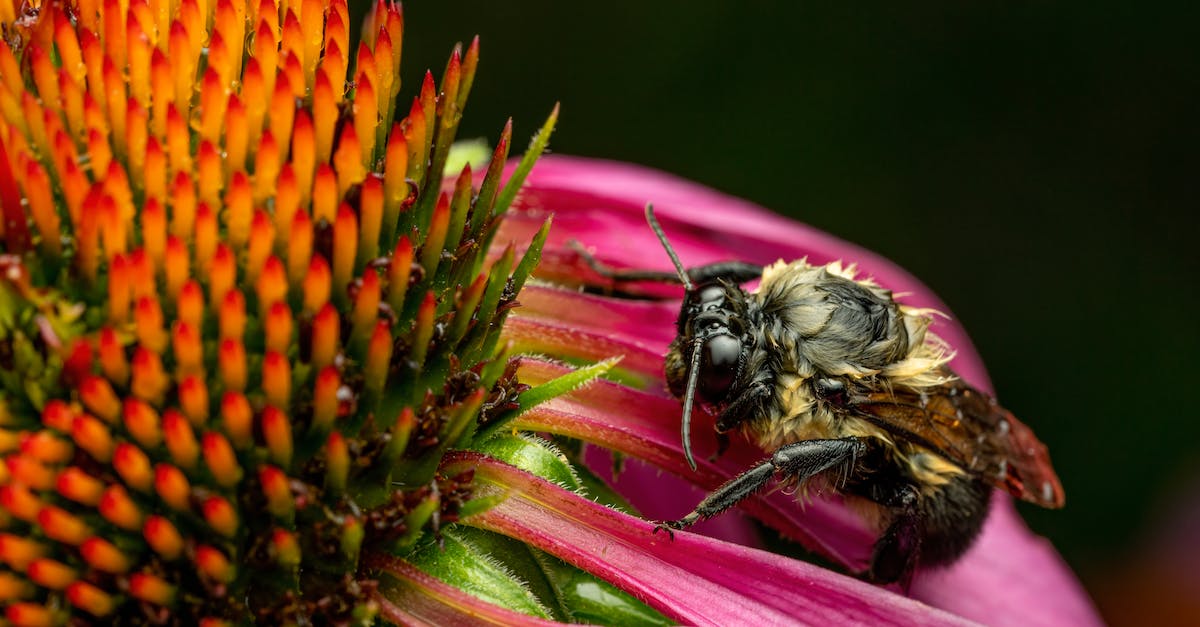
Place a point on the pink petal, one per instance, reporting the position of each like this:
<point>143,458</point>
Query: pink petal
<point>672,496</point>
<point>693,579</point>
<point>651,323</point>
<point>1017,579</point>
<point>533,336</point>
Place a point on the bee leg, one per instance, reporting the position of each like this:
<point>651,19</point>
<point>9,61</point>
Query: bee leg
<point>732,271</point>
<point>746,404</point>
<point>722,446</point>
<point>742,407</point>
<point>735,271</point>
<point>618,275</point>
<point>800,461</point>
<point>898,549</point>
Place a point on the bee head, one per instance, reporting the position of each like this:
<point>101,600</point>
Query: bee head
<point>711,344</point>
<point>712,338</point>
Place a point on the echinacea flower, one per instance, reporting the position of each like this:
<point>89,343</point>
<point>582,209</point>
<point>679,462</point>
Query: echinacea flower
<point>240,321</point>
<point>256,366</point>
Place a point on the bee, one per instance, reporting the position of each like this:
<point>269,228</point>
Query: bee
<point>853,394</point>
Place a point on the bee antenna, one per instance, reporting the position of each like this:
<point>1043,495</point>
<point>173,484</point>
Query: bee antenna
<point>689,398</point>
<point>662,237</point>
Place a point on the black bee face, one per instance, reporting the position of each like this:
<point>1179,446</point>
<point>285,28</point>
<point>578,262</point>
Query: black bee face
<point>712,327</point>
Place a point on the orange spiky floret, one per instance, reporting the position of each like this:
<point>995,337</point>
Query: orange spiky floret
<point>230,335</point>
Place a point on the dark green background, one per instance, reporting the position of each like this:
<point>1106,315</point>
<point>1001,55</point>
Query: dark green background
<point>1034,162</point>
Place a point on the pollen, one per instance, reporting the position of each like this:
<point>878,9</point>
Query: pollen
<point>285,548</point>
<point>220,516</point>
<point>164,539</point>
<point>221,461</point>
<point>142,422</point>
<point>77,485</point>
<point>151,588</point>
<point>275,488</point>
<point>366,308</point>
<point>172,487</point>
<point>337,463</point>
<point>318,282</point>
<point>237,419</point>
<point>193,399</point>
<point>104,556</point>
<point>117,508</point>
<point>277,379</point>
<point>325,398</point>
<point>180,439</point>
<point>51,574</point>
<point>277,433</point>
<point>279,327</point>
<point>214,565</point>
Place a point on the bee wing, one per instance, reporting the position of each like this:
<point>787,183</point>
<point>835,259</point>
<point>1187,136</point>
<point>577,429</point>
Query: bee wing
<point>969,428</point>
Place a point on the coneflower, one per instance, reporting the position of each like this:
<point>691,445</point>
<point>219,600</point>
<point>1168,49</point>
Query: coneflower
<point>240,321</point>
<point>254,365</point>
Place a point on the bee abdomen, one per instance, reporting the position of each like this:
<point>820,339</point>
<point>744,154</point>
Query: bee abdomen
<point>952,518</point>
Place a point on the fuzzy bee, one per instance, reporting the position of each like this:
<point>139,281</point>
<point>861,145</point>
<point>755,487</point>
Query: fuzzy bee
<point>852,393</point>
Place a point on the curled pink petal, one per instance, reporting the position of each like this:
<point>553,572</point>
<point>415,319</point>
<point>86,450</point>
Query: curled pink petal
<point>693,579</point>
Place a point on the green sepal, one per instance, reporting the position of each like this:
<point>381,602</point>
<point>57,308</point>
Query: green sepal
<point>509,192</point>
<point>458,429</point>
<point>352,539</point>
<point>532,256</point>
<point>557,589</point>
<point>465,560</point>
<point>524,564</point>
<point>460,205</point>
<point>473,346</point>
<point>590,600</point>
<point>415,522</point>
<point>556,387</point>
<point>533,455</point>
<point>536,147</point>
<point>480,505</point>
<point>489,189</point>
<point>529,261</point>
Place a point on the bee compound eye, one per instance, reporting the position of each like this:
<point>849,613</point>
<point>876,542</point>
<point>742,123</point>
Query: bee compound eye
<point>718,365</point>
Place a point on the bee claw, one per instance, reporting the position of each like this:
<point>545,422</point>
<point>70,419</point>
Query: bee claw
<point>669,526</point>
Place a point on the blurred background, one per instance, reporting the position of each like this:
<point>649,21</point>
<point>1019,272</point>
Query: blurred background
<point>1033,162</point>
